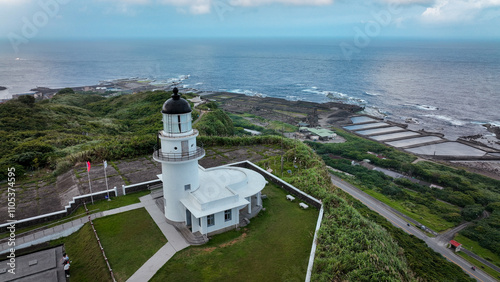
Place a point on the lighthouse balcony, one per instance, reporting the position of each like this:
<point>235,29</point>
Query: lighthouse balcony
<point>178,157</point>
<point>177,134</point>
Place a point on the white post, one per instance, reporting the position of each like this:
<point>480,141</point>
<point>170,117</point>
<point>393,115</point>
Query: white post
<point>250,205</point>
<point>106,177</point>
<point>90,186</point>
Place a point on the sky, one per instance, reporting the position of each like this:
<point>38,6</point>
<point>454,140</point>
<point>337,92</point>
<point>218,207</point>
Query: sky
<point>22,20</point>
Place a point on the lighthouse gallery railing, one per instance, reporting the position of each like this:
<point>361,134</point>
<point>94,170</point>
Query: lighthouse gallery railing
<point>178,157</point>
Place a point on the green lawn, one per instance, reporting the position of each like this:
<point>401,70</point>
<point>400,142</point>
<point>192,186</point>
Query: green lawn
<point>275,246</point>
<point>129,240</point>
<point>474,247</point>
<point>87,262</point>
<point>116,202</point>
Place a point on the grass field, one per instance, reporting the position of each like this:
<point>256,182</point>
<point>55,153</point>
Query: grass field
<point>87,262</point>
<point>275,246</point>
<point>116,202</point>
<point>129,240</point>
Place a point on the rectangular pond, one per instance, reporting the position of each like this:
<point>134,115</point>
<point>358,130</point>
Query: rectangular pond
<point>448,149</point>
<point>413,141</point>
<point>362,119</point>
<point>395,135</point>
<point>366,126</point>
<point>380,130</point>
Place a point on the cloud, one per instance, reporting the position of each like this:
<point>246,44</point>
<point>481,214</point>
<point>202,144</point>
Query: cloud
<point>13,2</point>
<point>196,7</point>
<point>248,3</point>
<point>443,11</point>
<point>204,6</point>
<point>409,2</point>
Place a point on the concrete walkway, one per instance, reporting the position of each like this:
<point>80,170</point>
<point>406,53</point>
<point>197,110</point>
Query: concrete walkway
<point>33,238</point>
<point>175,243</point>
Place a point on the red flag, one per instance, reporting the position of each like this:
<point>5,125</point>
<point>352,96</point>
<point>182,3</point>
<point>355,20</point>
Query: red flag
<point>88,166</point>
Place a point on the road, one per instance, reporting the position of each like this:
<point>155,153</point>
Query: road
<point>435,244</point>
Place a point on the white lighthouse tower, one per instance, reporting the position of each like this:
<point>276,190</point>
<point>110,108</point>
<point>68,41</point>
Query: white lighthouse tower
<point>207,201</point>
<point>178,156</point>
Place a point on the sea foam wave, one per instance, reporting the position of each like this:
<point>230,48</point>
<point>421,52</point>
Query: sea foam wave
<point>422,107</point>
<point>448,119</point>
<point>247,92</point>
<point>372,93</point>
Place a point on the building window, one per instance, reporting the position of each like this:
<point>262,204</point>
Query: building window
<point>199,221</point>
<point>227,215</point>
<point>210,220</point>
<point>187,187</point>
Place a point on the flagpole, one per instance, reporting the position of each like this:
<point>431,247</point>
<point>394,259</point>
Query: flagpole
<point>90,186</point>
<point>106,177</point>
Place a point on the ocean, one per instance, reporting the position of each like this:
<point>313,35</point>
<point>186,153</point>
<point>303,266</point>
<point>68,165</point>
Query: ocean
<point>448,87</point>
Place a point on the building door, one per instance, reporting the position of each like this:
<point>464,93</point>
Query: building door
<point>185,148</point>
<point>188,218</point>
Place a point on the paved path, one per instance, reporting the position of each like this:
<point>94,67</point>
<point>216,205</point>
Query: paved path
<point>397,221</point>
<point>175,243</point>
<point>33,238</point>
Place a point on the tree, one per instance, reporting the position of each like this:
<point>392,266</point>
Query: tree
<point>28,100</point>
<point>66,90</point>
<point>471,212</point>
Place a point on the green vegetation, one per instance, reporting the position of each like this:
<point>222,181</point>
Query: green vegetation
<point>427,264</point>
<point>129,240</point>
<point>479,264</point>
<point>266,127</point>
<point>208,106</point>
<point>275,246</point>
<point>423,207</point>
<point>334,256</point>
<point>472,192</point>
<point>66,90</point>
<point>487,233</point>
<point>474,247</point>
<point>116,202</point>
<point>71,128</point>
<point>215,123</point>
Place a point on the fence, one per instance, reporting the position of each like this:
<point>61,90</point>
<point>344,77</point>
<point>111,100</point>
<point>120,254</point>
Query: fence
<point>140,186</point>
<point>100,245</point>
<point>70,208</point>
